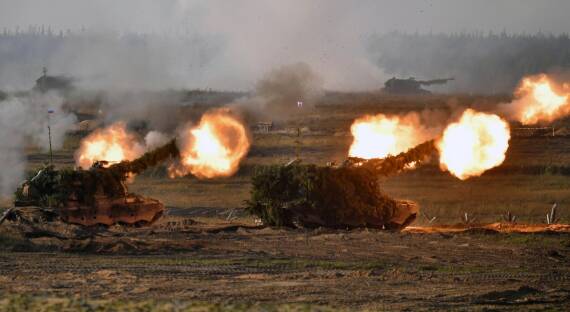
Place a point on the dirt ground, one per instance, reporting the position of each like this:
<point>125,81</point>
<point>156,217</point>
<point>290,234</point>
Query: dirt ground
<point>207,254</point>
<point>207,259</point>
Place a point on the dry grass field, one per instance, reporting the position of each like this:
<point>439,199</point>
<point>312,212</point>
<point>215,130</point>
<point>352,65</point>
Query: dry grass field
<point>532,178</point>
<point>196,259</point>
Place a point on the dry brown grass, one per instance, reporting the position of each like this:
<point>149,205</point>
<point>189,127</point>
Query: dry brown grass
<point>193,193</point>
<point>325,137</point>
<point>528,197</point>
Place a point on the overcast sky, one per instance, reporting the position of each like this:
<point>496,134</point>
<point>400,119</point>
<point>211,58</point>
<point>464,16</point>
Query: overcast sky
<point>258,35</point>
<point>364,15</point>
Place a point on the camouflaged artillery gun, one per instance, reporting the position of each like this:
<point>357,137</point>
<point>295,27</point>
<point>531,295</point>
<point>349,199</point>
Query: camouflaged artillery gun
<point>411,85</point>
<point>97,196</point>
<point>345,196</point>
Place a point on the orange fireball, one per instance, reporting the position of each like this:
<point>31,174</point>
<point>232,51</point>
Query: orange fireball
<point>474,144</point>
<point>112,144</point>
<point>213,148</point>
<point>540,99</point>
<point>379,136</point>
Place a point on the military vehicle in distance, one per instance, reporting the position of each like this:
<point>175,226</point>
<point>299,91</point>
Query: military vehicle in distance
<point>58,83</point>
<point>97,196</point>
<point>411,85</point>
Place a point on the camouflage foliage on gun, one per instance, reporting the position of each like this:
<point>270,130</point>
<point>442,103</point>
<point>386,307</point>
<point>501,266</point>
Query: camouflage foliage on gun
<point>337,197</point>
<point>149,159</point>
<point>98,195</point>
<point>393,164</point>
<point>51,187</point>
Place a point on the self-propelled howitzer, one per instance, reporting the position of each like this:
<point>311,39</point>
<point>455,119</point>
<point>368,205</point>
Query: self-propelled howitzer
<point>98,195</point>
<point>347,196</point>
<point>411,85</point>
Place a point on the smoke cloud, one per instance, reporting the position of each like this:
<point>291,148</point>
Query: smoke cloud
<point>155,139</point>
<point>481,63</point>
<point>215,44</point>
<point>283,92</point>
<point>158,110</point>
<point>287,85</point>
<point>105,60</point>
<point>24,121</point>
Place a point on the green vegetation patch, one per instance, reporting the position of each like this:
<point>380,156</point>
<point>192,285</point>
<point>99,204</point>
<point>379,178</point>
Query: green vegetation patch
<point>536,239</point>
<point>311,196</point>
<point>51,304</point>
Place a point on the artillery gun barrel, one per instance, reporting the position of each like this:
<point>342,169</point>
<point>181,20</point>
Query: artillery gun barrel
<point>394,164</point>
<point>435,81</point>
<point>149,159</point>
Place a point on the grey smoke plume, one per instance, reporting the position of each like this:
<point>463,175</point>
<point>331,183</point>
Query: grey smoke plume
<point>285,86</point>
<point>483,63</point>
<point>231,44</point>
<point>106,60</point>
<point>283,92</point>
<point>23,122</point>
<point>159,110</point>
<point>155,139</point>
<point>172,44</point>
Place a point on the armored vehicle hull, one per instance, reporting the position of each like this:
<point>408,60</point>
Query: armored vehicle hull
<point>130,210</point>
<point>98,196</point>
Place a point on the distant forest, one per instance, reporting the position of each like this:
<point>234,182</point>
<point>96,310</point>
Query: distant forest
<point>481,63</point>
<point>104,59</point>
<point>487,63</point>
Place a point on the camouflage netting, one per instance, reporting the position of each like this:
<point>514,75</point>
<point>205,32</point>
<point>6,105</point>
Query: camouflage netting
<point>149,159</point>
<point>53,188</point>
<point>338,197</point>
